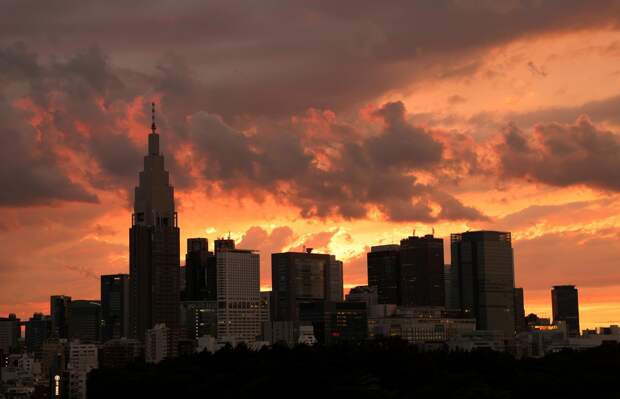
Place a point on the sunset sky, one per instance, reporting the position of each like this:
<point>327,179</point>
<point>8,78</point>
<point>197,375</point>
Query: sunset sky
<point>331,124</point>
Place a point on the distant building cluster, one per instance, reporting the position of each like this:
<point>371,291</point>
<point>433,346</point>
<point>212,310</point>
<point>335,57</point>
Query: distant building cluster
<point>160,310</point>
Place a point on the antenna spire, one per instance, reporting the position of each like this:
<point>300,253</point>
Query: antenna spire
<point>153,126</point>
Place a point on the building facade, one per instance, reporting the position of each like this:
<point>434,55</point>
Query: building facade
<point>200,271</point>
<point>85,323</point>
<point>114,306</point>
<point>565,306</point>
<point>421,271</point>
<point>384,272</point>
<point>301,277</point>
<point>483,263</point>
<point>60,314</point>
<point>238,296</point>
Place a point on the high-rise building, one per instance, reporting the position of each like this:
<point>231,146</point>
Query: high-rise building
<point>38,329</point>
<point>520,324</point>
<point>565,305</point>
<point>153,247</point>
<point>200,270</point>
<point>85,322</point>
<point>238,295</point>
<point>82,359</point>
<point>299,277</point>
<point>115,306</point>
<point>60,313</point>
<point>421,271</point>
<point>199,318</point>
<point>10,333</point>
<point>483,263</point>
<point>384,272</point>
<point>335,280</point>
<point>335,321</point>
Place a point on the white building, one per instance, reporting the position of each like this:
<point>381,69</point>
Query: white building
<point>82,359</point>
<point>157,342</point>
<point>306,335</point>
<point>238,296</point>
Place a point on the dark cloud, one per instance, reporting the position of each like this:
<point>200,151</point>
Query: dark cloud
<point>361,172</point>
<point>563,155</point>
<point>31,174</point>
<point>272,58</point>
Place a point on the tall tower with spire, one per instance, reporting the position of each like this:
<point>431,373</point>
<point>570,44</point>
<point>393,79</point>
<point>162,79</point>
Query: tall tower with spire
<point>153,247</point>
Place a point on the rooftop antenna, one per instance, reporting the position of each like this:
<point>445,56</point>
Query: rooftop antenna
<point>433,232</point>
<point>413,232</point>
<point>153,126</point>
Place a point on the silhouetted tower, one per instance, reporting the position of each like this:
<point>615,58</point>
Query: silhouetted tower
<point>421,271</point>
<point>153,247</point>
<point>565,304</point>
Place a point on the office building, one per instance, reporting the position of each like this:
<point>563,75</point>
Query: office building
<point>335,283</point>
<point>38,329</point>
<point>565,306</point>
<point>335,321</point>
<point>520,323</point>
<point>384,272</point>
<point>82,359</point>
<point>238,295</point>
<point>199,318</point>
<point>10,333</point>
<point>200,270</point>
<point>159,344</point>
<point>421,271</point>
<point>153,247</point>
<point>115,306</point>
<point>85,323</point>
<point>119,353</point>
<point>299,277</point>
<point>60,314</point>
<point>363,293</point>
<point>483,263</point>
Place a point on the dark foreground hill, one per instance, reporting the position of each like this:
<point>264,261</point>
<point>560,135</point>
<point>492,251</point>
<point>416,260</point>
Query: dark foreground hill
<point>380,369</point>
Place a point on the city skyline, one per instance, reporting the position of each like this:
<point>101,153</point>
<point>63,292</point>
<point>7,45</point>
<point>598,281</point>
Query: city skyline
<point>339,141</point>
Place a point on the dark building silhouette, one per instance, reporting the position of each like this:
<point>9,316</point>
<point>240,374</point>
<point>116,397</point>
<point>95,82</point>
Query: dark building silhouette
<point>299,277</point>
<point>153,248</point>
<point>38,329</point>
<point>10,333</point>
<point>520,323</point>
<point>383,262</point>
<point>335,321</point>
<point>119,353</point>
<point>223,244</point>
<point>60,314</point>
<point>421,271</point>
<point>565,304</point>
<point>115,306</point>
<point>200,271</point>
<point>483,263</point>
<point>85,322</point>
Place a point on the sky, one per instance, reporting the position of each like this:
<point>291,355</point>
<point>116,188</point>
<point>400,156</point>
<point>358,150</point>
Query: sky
<point>332,125</point>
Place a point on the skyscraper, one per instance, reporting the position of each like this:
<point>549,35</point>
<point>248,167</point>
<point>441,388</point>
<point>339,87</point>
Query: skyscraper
<point>384,272</point>
<point>238,295</point>
<point>153,247</point>
<point>421,271</point>
<point>115,306</point>
<point>299,277</point>
<point>60,314</point>
<point>200,273</point>
<point>483,263</point>
<point>10,333</point>
<point>38,329</point>
<point>520,324</point>
<point>565,304</point>
<point>85,322</point>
